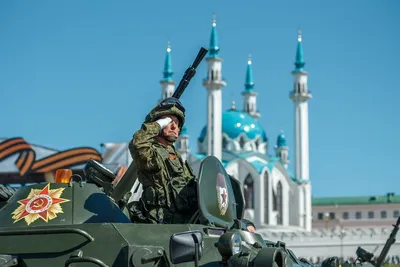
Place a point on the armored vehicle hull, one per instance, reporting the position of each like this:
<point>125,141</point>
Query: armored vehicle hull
<point>107,244</point>
<point>75,223</point>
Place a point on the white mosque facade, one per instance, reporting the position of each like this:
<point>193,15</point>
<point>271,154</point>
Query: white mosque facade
<point>274,196</point>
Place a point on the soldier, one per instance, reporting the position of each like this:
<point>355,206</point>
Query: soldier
<point>169,194</point>
<point>249,225</point>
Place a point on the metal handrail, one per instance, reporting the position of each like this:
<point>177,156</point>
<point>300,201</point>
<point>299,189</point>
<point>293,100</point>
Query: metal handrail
<point>48,231</point>
<point>85,259</point>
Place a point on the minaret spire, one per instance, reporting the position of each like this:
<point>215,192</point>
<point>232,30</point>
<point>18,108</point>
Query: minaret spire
<point>167,83</point>
<point>299,63</point>
<point>249,95</point>
<point>214,45</point>
<point>249,85</point>
<point>214,84</point>
<point>168,64</point>
<point>233,105</point>
<point>300,96</point>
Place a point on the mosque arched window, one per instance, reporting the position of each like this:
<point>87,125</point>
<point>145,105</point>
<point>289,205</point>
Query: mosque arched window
<point>258,143</point>
<point>248,189</point>
<point>284,155</point>
<point>242,142</point>
<point>224,143</point>
<point>279,199</point>
<point>212,75</point>
<point>298,87</point>
<point>266,200</point>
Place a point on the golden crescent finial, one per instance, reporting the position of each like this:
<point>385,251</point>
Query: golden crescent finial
<point>249,59</point>
<point>168,46</point>
<point>214,20</point>
<point>299,35</point>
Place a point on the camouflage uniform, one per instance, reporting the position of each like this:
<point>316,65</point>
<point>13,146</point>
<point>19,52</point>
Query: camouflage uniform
<point>169,192</point>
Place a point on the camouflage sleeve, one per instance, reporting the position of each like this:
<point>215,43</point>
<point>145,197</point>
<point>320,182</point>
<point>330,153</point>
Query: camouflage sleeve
<point>141,148</point>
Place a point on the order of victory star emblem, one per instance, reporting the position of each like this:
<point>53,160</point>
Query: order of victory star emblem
<point>222,194</point>
<point>40,203</point>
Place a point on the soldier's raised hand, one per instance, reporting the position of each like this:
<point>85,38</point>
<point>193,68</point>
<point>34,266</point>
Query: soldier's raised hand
<point>164,122</point>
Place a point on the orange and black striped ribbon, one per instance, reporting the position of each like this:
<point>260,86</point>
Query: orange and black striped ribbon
<point>26,162</point>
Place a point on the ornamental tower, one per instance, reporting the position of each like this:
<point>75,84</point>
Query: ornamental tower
<point>282,150</point>
<point>249,95</point>
<point>214,84</point>
<point>300,96</point>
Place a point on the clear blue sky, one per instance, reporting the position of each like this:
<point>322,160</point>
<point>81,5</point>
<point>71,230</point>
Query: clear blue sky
<point>80,73</point>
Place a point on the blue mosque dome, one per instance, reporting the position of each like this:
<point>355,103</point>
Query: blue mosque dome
<point>235,122</point>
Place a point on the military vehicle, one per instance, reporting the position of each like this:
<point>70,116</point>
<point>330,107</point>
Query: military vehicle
<point>87,221</point>
<point>77,223</point>
<point>59,224</point>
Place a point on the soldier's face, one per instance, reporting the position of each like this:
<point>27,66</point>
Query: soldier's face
<point>251,228</point>
<point>172,129</point>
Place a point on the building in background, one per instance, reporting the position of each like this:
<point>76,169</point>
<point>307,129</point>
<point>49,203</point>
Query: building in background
<point>350,212</point>
<point>341,224</point>
<point>275,196</point>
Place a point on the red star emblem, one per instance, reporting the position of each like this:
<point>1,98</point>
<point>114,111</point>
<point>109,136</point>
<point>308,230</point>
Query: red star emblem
<point>40,203</point>
<point>223,195</point>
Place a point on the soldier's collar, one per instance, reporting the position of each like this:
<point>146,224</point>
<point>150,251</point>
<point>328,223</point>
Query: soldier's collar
<point>167,146</point>
<point>160,140</point>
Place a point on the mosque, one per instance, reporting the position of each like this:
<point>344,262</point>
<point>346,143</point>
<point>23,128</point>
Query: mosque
<point>275,197</point>
<point>278,201</point>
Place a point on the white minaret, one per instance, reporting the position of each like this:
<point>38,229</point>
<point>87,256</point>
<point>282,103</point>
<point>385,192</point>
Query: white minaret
<point>167,83</point>
<point>300,96</point>
<point>249,95</point>
<point>214,84</point>
<point>182,144</point>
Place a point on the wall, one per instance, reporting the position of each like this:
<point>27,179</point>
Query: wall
<point>392,213</point>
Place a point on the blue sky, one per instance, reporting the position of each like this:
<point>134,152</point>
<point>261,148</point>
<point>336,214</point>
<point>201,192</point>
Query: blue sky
<point>80,73</point>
